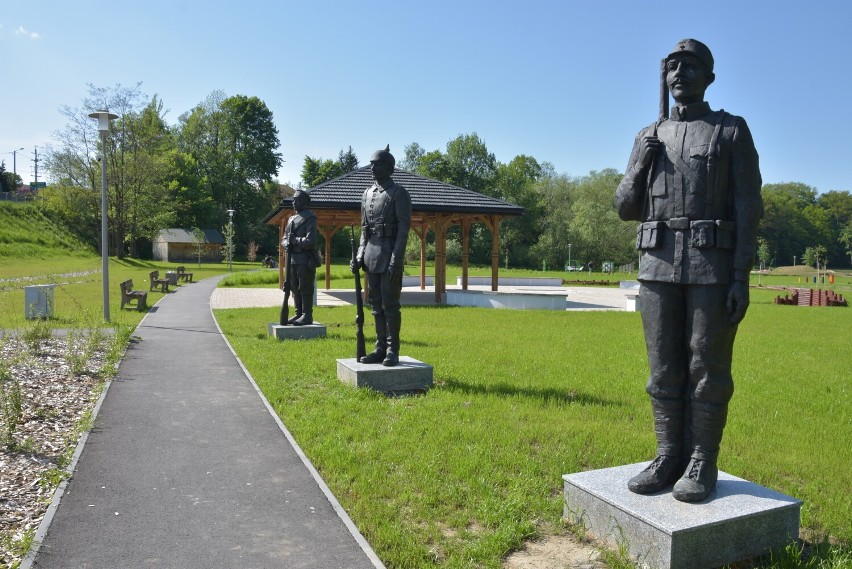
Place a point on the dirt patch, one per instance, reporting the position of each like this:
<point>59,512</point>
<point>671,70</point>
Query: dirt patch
<point>555,552</point>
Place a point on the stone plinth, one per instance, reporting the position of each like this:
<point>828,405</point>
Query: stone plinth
<point>632,301</point>
<point>308,332</point>
<point>409,376</point>
<point>739,519</point>
<point>516,300</point>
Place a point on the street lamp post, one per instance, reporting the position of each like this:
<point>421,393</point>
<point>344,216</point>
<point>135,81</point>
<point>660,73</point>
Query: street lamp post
<point>569,254</point>
<point>230,238</point>
<point>103,126</point>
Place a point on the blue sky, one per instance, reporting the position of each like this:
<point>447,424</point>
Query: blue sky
<point>569,82</point>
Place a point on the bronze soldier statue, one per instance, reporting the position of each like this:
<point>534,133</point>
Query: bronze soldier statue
<point>300,242</point>
<point>385,221</point>
<point>693,181</point>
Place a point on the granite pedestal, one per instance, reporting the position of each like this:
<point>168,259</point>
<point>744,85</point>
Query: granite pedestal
<point>409,376</point>
<point>307,332</point>
<point>737,521</point>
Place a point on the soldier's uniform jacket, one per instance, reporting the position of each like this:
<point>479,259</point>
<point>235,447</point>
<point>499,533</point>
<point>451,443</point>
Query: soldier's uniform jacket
<point>699,201</point>
<point>303,225</point>
<point>385,221</point>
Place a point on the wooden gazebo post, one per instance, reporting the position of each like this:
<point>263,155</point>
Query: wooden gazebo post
<point>466,223</point>
<point>493,223</point>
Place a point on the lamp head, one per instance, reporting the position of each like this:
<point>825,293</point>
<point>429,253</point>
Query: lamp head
<point>103,119</point>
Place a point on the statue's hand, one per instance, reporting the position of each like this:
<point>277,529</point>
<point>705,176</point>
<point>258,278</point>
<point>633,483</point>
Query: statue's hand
<point>737,301</point>
<point>395,272</point>
<point>648,149</point>
<point>356,265</point>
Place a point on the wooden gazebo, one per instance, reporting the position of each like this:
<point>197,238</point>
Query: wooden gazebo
<point>436,206</point>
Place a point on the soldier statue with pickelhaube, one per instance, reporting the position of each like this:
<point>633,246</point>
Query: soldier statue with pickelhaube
<point>385,221</point>
<point>693,182</point>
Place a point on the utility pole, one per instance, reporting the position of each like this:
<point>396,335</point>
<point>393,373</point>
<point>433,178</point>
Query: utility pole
<point>35,162</point>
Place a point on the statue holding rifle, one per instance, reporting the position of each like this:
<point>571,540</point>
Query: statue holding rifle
<point>300,242</point>
<point>693,183</point>
<point>385,221</point>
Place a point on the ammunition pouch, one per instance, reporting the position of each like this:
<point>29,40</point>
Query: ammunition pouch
<point>701,233</point>
<point>648,235</point>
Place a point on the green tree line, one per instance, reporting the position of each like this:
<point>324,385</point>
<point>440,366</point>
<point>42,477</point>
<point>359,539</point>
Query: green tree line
<point>574,217</point>
<point>220,155</point>
<point>223,154</point>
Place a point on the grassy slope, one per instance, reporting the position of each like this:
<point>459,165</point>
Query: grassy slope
<point>34,250</point>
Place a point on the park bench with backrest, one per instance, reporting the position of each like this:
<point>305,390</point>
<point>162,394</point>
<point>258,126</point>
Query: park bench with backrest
<point>183,275</point>
<point>156,281</point>
<point>129,295</point>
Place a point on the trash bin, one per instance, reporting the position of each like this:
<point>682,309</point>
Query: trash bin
<point>38,301</point>
<point>172,276</point>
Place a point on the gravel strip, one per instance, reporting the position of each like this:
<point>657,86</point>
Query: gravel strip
<point>59,382</point>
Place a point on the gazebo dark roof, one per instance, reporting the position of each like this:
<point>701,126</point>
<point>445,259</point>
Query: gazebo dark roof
<point>427,196</point>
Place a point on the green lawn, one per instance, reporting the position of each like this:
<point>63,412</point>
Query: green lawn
<point>78,283</point>
<point>462,475</point>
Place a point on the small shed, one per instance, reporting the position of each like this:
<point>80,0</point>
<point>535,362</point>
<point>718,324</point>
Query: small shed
<point>179,245</point>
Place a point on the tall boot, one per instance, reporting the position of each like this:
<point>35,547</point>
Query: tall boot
<point>708,424</point>
<point>394,324</point>
<point>377,356</point>
<point>297,303</point>
<point>668,464</point>
<point>307,316</point>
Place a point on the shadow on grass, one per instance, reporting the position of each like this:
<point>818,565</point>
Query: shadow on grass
<point>129,262</point>
<point>558,396</point>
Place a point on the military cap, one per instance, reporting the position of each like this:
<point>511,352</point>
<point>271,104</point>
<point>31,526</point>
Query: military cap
<point>383,156</point>
<point>696,48</point>
<point>300,193</point>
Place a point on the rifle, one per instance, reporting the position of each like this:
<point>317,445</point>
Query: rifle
<point>285,308</point>
<point>664,92</point>
<point>360,348</point>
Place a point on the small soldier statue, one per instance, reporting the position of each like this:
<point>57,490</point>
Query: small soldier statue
<point>385,221</point>
<point>300,242</point>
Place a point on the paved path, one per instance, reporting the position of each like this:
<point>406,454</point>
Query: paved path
<point>186,467</point>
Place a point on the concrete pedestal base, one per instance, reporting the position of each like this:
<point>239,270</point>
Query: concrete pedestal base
<point>409,376</point>
<point>737,521</point>
<point>315,330</point>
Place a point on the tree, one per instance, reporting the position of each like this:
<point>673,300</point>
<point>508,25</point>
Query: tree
<point>764,255</point>
<point>348,160</point>
<point>515,183</point>
<point>199,239</point>
<point>233,142</point>
<point>814,256</point>
<point>556,195</point>
<point>846,239</point>
<point>136,197</point>
<point>784,225</point>
<point>5,181</point>
<point>315,171</point>
<point>597,232</point>
<point>413,154</point>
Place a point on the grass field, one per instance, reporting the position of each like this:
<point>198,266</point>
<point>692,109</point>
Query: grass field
<point>464,474</point>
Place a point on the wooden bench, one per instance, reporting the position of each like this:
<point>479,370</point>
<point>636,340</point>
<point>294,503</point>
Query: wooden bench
<point>183,275</point>
<point>156,281</point>
<point>129,295</point>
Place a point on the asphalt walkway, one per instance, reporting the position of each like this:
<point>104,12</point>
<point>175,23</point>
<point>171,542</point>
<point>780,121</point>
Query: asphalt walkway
<point>187,467</point>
